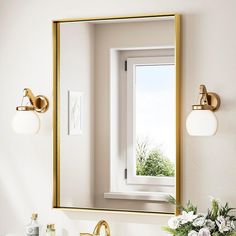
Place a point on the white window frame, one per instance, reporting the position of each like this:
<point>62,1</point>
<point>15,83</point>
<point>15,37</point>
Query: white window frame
<point>132,178</point>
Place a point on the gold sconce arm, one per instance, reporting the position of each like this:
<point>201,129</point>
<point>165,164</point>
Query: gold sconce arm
<point>207,100</point>
<point>203,93</point>
<point>39,103</point>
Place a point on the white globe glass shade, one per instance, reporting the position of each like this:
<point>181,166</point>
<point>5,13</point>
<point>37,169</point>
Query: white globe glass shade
<point>201,123</point>
<point>26,122</point>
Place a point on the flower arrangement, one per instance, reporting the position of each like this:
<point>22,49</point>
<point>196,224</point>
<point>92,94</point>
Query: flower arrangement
<point>217,222</point>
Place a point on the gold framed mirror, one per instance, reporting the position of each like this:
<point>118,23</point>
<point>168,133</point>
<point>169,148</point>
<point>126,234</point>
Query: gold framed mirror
<point>116,113</point>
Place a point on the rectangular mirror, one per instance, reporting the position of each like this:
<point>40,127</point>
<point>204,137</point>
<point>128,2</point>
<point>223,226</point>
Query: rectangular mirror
<point>116,113</point>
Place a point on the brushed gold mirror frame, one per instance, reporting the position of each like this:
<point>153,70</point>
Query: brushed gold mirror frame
<point>56,110</point>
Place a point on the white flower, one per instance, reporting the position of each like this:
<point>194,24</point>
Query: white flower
<point>204,232</point>
<point>200,221</point>
<point>187,217</point>
<point>223,224</point>
<point>174,222</point>
<point>193,233</point>
<point>210,224</point>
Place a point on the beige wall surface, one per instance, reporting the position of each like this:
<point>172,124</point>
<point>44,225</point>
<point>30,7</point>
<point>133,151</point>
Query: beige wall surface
<point>208,56</point>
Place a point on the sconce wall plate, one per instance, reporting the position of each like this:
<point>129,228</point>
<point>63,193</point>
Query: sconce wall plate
<point>41,103</point>
<point>214,100</point>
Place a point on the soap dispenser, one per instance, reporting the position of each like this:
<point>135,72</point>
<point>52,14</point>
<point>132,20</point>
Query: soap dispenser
<point>50,231</point>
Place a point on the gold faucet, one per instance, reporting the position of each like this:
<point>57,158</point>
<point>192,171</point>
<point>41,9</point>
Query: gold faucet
<point>97,229</point>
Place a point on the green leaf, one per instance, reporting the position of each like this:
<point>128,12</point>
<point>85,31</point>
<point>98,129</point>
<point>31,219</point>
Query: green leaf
<point>231,234</point>
<point>172,200</point>
<point>169,230</point>
<point>190,207</point>
<point>215,209</point>
<point>216,234</point>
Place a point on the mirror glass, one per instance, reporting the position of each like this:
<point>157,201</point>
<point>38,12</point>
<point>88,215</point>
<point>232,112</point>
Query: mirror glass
<point>116,138</point>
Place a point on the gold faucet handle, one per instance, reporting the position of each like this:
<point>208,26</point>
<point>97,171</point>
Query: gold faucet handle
<point>85,234</point>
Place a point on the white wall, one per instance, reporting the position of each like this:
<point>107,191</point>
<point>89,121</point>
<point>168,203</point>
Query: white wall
<point>208,56</point>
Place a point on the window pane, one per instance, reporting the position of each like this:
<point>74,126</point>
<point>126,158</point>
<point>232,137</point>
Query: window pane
<point>155,120</point>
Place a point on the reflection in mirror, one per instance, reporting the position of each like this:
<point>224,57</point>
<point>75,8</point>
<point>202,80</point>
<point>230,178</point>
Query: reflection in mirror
<point>116,130</point>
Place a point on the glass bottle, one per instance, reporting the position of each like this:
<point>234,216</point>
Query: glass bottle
<point>32,229</point>
<point>50,231</point>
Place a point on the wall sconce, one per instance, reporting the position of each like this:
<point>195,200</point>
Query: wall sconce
<point>26,121</point>
<point>202,120</point>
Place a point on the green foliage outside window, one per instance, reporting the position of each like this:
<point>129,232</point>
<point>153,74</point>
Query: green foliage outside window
<point>152,162</point>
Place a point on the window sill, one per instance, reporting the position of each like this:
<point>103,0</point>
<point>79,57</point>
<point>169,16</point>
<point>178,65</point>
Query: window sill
<point>141,196</point>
